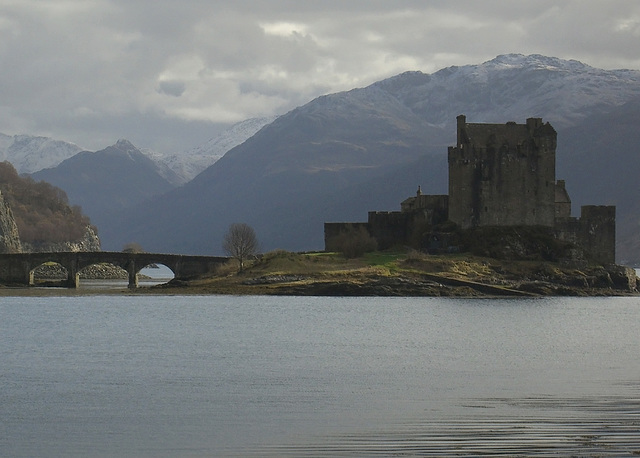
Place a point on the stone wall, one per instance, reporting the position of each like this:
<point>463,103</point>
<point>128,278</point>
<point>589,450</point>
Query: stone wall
<point>333,230</point>
<point>598,232</point>
<point>593,234</point>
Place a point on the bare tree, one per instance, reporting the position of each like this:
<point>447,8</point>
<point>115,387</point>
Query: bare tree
<point>240,242</point>
<point>132,247</point>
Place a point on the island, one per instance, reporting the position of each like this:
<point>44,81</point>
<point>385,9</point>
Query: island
<point>398,273</point>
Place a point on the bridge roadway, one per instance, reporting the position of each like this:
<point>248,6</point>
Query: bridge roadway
<point>17,268</point>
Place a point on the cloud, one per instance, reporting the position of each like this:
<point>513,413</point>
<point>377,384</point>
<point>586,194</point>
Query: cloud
<point>173,88</point>
<point>76,62</point>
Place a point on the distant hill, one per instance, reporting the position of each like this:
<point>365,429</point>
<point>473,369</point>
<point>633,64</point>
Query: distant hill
<point>344,154</point>
<point>107,181</point>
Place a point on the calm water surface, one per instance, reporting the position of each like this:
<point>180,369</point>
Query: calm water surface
<point>116,376</point>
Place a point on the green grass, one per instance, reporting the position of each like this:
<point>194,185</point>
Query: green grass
<point>386,259</point>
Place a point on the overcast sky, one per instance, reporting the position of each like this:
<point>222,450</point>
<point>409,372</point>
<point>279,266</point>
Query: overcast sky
<point>166,74</point>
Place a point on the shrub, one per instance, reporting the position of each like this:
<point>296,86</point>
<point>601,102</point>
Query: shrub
<point>353,242</point>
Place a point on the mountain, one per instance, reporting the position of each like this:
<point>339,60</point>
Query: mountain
<point>107,181</point>
<point>28,153</point>
<point>186,165</point>
<point>344,154</point>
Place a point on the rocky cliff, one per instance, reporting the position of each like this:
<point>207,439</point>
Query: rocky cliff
<point>9,237</point>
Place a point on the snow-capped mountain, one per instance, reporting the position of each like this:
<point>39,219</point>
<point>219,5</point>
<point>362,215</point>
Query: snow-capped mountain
<point>28,153</point>
<point>563,92</point>
<point>188,164</point>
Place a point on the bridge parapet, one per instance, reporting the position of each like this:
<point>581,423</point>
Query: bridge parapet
<point>17,268</point>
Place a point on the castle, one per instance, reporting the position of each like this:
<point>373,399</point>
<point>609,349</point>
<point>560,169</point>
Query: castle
<point>500,176</point>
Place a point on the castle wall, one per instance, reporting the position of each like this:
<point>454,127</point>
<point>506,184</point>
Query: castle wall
<point>332,230</point>
<point>390,228</point>
<point>598,232</point>
<point>563,202</point>
<point>594,233</point>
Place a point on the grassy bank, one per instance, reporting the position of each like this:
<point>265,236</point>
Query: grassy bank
<point>400,273</point>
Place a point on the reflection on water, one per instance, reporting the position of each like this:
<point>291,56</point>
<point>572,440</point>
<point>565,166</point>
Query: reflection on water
<point>121,376</point>
<point>592,426</point>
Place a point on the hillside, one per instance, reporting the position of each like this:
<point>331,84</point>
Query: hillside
<point>342,155</point>
<point>41,211</point>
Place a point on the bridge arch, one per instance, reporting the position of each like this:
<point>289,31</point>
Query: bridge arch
<point>155,273</point>
<point>101,271</point>
<point>48,272</point>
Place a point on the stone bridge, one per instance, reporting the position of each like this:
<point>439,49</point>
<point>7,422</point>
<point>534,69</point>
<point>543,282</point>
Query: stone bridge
<point>17,268</point>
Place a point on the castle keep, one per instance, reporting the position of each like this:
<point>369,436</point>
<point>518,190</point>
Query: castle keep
<point>500,175</point>
<point>503,174</point>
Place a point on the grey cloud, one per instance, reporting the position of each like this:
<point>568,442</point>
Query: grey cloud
<point>206,62</point>
<point>173,88</point>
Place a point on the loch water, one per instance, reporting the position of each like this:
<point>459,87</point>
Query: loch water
<point>204,376</point>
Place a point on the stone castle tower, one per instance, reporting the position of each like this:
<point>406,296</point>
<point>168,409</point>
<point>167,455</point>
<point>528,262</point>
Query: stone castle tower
<point>503,174</point>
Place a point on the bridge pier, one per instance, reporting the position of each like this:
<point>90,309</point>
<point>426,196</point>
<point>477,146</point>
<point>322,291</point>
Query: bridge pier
<point>133,274</point>
<point>73,274</point>
<point>133,280</point>
<point>73,279</point>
